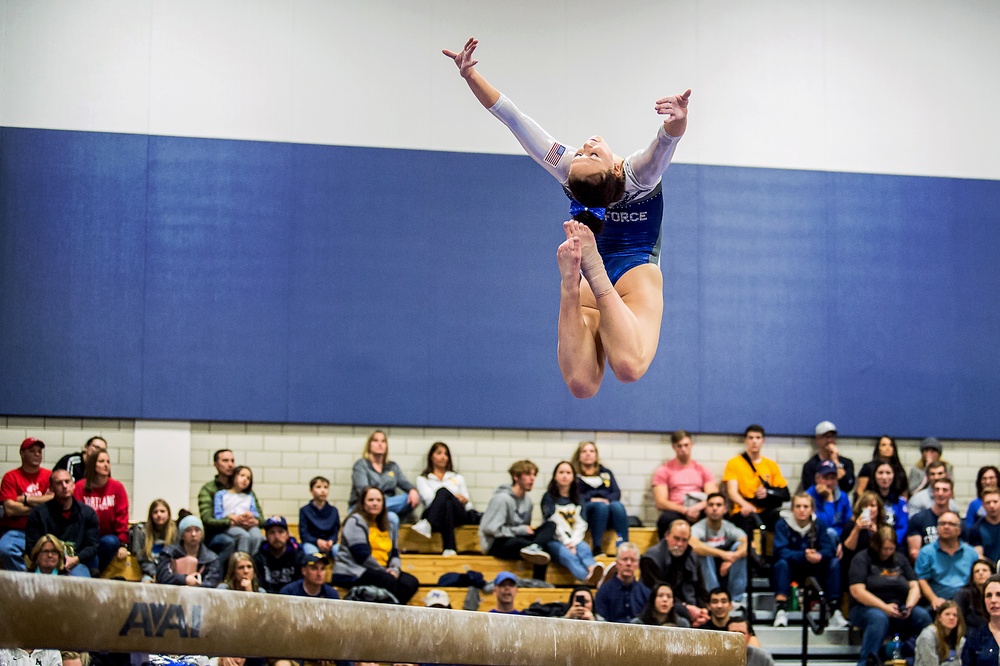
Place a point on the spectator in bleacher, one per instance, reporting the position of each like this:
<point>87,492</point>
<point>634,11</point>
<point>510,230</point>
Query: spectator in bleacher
<point>76,463</point>
<point>445,496</point>
<point>189,562</point>
<point>71,521</point>
<point>930,451</point>
<point>505,591</point>
<point>868,517</point>
<point>829,501</point>
<point>884,595</point>
<point>985,533</point>
<point>375,470</point>
<point>600,497</point>
<point>681,485</point>
<point>803,547</point>
<point>48,556</point>
<point>21,489</point>
<point>239,500</point>
<point>437,598</point>
<point>942,641</point>
<point>885,452</point>
<point>981,645</point>
<point>924,498</point>
<point>897,511</point>
<point>369,551</point>
<point>720,617</point>
<point>505,531</point>
<point>754,484</point>
<point>581,605</point>
<point>561,505</point>
<point>241,574</point>
<point>722,548</point>
<point>970,597</point>
<point>943,566</point>
<point>215,528</point>
<point>109,500</point>
<point>280,559</point>
<point>313,581</point>
<point>319,521</point>
<point>147,540</point>
<point>923,526</point>
<point>988,476</point>
<point>620,597</point>
<point>827,451</point>
<point>672,561</point>
<point>661,610</point>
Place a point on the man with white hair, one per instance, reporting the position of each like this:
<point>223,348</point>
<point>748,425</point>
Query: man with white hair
<point>620,597</point>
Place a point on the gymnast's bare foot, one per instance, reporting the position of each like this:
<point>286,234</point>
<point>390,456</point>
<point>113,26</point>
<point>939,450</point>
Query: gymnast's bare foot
<point>590,259</point>
<point>568,255</point>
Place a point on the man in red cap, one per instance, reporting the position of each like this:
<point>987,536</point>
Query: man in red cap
<point>21,490</point>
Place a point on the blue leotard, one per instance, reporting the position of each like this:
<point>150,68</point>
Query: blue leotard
<point>631,235</point>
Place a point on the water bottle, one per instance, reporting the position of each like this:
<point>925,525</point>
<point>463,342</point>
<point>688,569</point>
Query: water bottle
<point>894,649</point>
<point>793,599</point>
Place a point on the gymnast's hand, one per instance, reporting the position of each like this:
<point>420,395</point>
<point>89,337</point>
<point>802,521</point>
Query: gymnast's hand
<point>675,108</point>
<point>463,59</point>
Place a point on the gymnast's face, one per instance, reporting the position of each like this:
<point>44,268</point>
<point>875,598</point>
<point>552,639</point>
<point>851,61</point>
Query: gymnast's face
<point>593,157</point>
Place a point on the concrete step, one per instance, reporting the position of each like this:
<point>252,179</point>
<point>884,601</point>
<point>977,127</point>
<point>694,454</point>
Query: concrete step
<point>831,641</point>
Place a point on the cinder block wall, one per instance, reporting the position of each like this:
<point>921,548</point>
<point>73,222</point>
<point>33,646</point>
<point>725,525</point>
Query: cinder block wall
<point>285,456</point>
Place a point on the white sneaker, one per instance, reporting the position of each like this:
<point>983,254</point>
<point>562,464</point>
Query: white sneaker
<point>780,619</point>
<point>595,575</point>
<point>739,605</point>
<point>423,528</point>
<point>837,620</point>
<point>535,555</point>
<point>448,552</point>
<point>609,572</point>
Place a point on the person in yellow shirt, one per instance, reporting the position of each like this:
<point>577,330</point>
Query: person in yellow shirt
<point>755,484</point>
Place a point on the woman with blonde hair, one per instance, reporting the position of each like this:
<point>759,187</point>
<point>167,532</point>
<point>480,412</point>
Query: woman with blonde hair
<point>241,574</point>
<point>146,540</point>
<point>375,470</point>
<point>941,642</point>
<point>48,556</point>
<point>600,496</point>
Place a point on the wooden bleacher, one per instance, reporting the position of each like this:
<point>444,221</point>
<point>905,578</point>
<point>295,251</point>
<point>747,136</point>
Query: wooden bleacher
<point>467,540</point>
<point>422,558</point>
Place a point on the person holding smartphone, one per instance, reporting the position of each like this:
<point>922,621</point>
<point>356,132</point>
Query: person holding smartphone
<point>581,605</point>
<point>884,594</point>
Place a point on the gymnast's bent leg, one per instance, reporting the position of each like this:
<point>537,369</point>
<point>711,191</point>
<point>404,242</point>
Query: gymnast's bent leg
<point>630,311</point>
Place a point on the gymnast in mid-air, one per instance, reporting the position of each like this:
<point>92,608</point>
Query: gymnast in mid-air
<point>614,311</point>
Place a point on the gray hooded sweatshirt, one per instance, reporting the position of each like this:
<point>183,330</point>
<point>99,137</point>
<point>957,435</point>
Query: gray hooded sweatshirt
<point>507,515</point>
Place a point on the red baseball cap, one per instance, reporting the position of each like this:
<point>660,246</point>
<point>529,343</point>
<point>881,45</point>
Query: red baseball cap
<point>31,441</point>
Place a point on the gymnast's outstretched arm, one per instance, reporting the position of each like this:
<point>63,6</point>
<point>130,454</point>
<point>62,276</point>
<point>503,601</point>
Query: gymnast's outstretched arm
<point>551,155</point>
<point>648,164</point>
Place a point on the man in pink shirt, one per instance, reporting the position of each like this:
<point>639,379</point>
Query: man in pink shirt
<point>681,485</point>
<point>21,490</point>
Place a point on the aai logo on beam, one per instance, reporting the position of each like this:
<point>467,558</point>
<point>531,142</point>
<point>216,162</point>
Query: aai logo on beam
<point>156,619</point>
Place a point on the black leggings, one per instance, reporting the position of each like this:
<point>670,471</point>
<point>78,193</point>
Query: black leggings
<point>403,588</point>
<point>445,514</point>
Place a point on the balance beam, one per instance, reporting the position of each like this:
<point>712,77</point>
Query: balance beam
<point>61,612</point>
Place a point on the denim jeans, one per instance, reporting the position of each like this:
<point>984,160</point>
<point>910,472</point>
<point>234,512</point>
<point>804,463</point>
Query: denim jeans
<point>600,516</point>
<point>736,580</point>
<point>827,574</point>
<point>12,551</point>
<point>876,626</point>
<point>578,563</point>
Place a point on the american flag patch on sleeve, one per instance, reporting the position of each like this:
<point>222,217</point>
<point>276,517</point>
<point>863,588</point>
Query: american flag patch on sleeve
<point>555,154</point>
